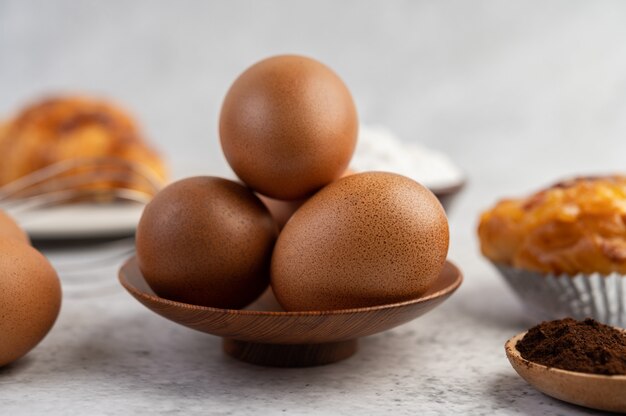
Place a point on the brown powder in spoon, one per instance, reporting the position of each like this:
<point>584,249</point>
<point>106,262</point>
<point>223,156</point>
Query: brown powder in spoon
<point>584,346</point>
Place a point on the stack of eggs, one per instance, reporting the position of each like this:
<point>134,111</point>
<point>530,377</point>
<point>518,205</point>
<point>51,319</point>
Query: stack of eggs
<point>30,293</point>
<point>288,129</point>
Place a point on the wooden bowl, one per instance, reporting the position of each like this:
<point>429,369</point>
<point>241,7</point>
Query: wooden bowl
<point>264,334</point>
<point>590,390</point>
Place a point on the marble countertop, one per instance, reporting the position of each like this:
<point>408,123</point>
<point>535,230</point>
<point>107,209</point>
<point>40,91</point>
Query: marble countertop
<point>518,93</point>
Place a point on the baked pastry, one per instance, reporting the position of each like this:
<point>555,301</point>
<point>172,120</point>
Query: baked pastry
<point>87,131</point>
<point>576,226</point>
<point>563,249</point>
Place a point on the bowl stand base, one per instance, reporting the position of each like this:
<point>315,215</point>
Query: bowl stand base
<point>290,355</point>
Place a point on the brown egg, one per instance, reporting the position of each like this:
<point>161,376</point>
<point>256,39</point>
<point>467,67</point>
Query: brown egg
<point>288,126</point>
<point>30,298</point>
<point>283,210</point>
<point>367,239</point>
<point>9,228</point>
<point>206,241</point>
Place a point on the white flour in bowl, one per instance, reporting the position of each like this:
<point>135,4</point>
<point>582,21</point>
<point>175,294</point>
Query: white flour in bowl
<point>379,149</point>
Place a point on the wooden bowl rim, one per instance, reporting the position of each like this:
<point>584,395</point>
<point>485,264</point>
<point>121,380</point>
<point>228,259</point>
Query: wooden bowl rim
<point>154,298</point>
<point>513,354</point>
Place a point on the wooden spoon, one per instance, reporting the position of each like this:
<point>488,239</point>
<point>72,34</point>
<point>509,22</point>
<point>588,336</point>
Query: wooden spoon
<point>590,390</point>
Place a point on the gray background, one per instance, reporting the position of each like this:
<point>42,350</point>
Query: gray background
<point>518,93</point>
<point>489,82</point>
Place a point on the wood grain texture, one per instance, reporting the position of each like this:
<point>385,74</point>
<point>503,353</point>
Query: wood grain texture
<point>264,322</point>
<point>590,390</point>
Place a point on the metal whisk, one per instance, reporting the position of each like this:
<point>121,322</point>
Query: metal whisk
<point>91,180</point>
<point>80,179</point>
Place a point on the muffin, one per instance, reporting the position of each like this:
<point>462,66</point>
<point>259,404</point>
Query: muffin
<point>84,130</point>
<point>563,249</point>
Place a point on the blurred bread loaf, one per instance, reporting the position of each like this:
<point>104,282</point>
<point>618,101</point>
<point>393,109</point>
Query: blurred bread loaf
<point>77,128</point>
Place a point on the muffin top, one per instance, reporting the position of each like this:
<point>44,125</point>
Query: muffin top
<point>575,226</point>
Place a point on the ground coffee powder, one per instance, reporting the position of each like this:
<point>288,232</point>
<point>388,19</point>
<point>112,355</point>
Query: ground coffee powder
<point>584,346</point>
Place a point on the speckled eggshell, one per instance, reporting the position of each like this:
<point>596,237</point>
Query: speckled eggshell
<point>206,241</point>
<point>283,210</point>
<point>288,126</point>
<point>30,298</point>
<point>368,239</point>
<point>9,228</point>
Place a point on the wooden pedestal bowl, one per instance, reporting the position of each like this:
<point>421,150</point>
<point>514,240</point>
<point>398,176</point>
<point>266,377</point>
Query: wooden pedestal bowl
<point>266,335</point>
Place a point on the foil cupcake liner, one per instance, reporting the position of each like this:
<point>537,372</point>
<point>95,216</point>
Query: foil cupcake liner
<point>549,296</point>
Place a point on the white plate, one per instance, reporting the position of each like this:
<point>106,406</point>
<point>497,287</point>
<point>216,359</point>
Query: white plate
<point>78,221</point>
